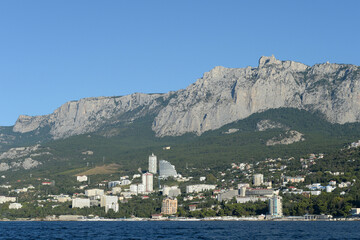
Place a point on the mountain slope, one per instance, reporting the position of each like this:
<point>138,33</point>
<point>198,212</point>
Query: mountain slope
<point>132,143</point>
<point>220,97</point>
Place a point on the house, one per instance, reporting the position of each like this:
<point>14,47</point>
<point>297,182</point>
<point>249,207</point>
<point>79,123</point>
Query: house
<point>81,178</point>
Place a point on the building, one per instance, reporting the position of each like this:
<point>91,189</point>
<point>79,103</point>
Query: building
<point>109,202</point>
<point>94,192</point>
<point>258,179</point>
<point>116,190</point>
<point>15,206</point>
<point>134,188</point>
<point>275,206</point>
<point>199,188</point>
<point>173,191</point>
<point>4,199</point>
<point>152,164</point>
<point>296,179</point>
<point>240,199</point>
<point>259,192</point>
<point>355,211</point>
<point>228,195</point>
<point>62,198</point>
<point>81,178</point>
<point>169,206</point>
<point>113,184</point>
<point>147,181</point>
<point>125,182</point>
<point>80,202</point>
<point>166,169</point>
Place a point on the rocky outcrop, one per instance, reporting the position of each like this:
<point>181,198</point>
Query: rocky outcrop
<point>266,124</point>
<point>225,95</point>
<point>221,96</point>
<point>88,115</point>
<point>22,157</point>
<point>287,138</point>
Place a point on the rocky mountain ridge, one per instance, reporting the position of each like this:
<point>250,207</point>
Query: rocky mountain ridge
<point>221,96</point>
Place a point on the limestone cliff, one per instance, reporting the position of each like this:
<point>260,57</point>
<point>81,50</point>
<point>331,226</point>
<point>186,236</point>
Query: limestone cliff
<point>221,96</point>
<point>225,95</point>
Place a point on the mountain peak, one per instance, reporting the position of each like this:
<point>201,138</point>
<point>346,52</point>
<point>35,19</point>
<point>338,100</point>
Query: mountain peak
<point>264,60</point>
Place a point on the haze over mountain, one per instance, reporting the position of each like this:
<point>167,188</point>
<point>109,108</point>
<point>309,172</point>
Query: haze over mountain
<point>221,96</point>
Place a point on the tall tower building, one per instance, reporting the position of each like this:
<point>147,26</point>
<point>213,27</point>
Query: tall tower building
<point>152,163</point>
<point>166,169</point>
<point>275,206</point>
<point>147,181</point>
<point>258,179</point>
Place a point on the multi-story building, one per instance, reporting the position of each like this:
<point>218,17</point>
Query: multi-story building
<point>199,188</point>
<point>62,198</point>
<point>141,188</point>
<point>296,179</point>
<point>275,206</point>
<point>116,190</point>
<point>134,188</point>
<point>113,184</point>
<point>153,164</point>
<point>109,202</point>
<point>173,191</point>
<point>169,206</point>
<point>166,169</point>
<point>94,192</point>
<point>258,179</point>
<point>80,202</point>
<point>147,181</point>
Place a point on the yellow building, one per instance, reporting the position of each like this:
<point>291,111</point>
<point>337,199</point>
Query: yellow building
<point>169,206</point>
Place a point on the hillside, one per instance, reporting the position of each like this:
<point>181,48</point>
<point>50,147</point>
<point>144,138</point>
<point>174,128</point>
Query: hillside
<point>242,141</point>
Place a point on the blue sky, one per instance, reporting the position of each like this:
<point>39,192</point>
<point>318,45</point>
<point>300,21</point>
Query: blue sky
<point>56,51</point>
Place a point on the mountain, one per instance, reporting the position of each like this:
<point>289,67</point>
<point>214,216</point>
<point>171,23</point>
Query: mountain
<point>221,96</point>
<point>280,108</point>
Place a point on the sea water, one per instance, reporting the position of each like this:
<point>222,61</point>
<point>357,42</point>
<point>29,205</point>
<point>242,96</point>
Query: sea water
<point>180,230</point>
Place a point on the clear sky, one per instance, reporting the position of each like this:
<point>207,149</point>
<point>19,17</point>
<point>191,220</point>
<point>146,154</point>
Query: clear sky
<point>56,51</point>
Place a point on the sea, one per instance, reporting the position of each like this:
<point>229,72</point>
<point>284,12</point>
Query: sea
<point>180,230</point>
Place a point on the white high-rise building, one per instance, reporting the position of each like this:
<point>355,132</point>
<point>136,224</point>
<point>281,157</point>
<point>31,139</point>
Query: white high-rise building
<point>109,202</point>
<point>153,164</point>
<point>147,181</point>
<point>166,169</point>
<point>258,179</point>
<point>275,206</point>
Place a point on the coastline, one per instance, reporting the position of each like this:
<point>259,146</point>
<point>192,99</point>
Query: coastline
<point>72,218</point>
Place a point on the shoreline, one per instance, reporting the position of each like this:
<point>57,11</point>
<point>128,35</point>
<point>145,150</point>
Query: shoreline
<point>73,218</point>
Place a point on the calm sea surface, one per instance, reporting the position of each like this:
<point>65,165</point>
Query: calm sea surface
<point>180,230</point>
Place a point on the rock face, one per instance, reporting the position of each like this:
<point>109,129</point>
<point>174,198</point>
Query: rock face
<point>21,157</point>
<point>289,137</point>
<point>266,124</point>
<point>87,115</point>
<point>225,95</point>
<point>221,96</point>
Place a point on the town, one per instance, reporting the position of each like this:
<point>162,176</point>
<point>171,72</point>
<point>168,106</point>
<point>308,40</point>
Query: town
<point>273,189</point>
